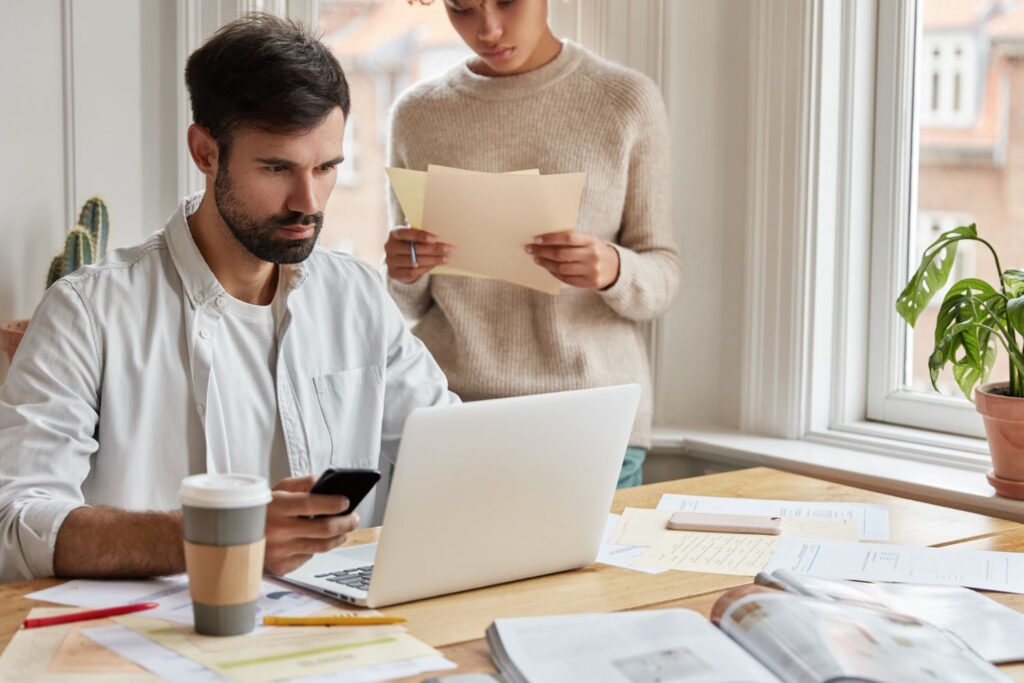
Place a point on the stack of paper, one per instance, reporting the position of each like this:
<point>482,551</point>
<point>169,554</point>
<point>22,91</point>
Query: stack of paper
<point>163,641</point>
<point>647,545</point>
<point>490,217</point>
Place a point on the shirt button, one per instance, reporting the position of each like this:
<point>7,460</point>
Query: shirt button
<point>204,333</point>
<point>202,410</point>
<point>221,302</point>
<point>198,298</point>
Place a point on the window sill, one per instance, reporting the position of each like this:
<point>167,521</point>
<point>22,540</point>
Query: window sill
<point>952,478</point>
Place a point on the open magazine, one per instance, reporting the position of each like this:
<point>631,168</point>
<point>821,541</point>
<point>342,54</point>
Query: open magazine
<point>764,636</point>
<point>991,629</point>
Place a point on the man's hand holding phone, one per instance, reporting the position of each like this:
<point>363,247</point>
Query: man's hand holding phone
<point>301,523</point>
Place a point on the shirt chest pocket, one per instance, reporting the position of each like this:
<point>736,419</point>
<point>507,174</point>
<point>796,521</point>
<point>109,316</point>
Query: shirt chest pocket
<point>352,407</point>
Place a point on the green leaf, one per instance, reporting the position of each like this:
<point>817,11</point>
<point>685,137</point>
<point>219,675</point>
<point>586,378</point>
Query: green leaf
<point>938,359</point>
<point>931,275</point>
<point>1015,313</point>
<point>967,376</point>
<point>1013,280</point>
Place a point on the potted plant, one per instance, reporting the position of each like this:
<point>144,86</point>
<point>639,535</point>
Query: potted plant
<point>974,319</point>
<point>86,243</point>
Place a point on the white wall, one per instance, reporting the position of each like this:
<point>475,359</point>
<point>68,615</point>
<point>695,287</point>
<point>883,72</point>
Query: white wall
<point>122,142</point>
<point>32,144</point>
<point>707,94</point>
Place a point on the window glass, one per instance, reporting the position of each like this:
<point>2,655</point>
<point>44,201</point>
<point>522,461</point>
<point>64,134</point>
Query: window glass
<point>970,163</point>
<point>384,46</point>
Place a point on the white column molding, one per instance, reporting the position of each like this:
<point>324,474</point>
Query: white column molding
<point>783,204</point>
<point>68,77</point>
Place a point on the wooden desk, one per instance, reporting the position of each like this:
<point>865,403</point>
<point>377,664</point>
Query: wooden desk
<point>455,623</point>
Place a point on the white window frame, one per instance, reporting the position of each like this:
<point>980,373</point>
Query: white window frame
<point>828,209</point>
<point>895,202</point>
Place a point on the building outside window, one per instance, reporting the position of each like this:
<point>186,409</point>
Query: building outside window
<point>970,163</point>
<point>384,46</point>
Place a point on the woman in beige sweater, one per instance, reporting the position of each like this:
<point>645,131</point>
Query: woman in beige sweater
<point>529,100</point>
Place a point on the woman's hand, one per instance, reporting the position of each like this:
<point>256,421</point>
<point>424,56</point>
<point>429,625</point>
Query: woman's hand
<point>411,253</point>
<point>577,259</point>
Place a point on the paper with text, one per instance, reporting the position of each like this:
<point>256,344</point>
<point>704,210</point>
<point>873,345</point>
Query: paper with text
<point>277,653</point>
<point>872,519</point>
<point>174,667</point>
<point>714,553</point>
<point>983,569</point>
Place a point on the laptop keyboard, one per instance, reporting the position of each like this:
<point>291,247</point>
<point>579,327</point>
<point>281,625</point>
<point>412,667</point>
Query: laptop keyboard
<point>358,578</point>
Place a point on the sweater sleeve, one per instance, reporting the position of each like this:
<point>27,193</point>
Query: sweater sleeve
<point>414,299</point>
<point>649,267</point>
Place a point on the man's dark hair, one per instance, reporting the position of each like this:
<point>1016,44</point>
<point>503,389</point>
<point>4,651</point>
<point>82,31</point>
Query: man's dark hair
<point>263,72</point>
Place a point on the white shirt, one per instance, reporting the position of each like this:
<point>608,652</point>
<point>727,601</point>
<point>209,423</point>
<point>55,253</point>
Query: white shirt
<point>109,400</point>
<point>244,361</point>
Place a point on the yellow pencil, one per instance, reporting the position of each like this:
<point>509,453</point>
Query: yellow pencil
<point>332,621</point>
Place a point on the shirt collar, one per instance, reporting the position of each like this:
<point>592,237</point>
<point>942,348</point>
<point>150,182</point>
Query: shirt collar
<point>197,279</point>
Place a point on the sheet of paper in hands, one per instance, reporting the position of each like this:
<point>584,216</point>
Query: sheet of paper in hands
<point>490,217</point>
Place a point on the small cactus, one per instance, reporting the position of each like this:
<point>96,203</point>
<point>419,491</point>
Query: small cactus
<point>96,220</point>
<point>79,249</point>
<point>86,243</point>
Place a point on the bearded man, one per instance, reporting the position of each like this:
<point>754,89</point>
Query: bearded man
<point>226,342</point>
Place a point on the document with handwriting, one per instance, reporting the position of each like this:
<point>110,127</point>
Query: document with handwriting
<point>872,519</point>
<point>714,553</point>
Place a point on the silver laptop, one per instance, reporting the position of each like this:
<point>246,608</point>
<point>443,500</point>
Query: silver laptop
<point>488,492</point>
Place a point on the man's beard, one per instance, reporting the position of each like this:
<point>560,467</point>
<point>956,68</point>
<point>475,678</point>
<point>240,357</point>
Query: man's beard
<point>259,237</point>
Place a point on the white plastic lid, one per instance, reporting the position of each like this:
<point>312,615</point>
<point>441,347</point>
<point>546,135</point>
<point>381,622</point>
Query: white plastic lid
<point>222,491</point>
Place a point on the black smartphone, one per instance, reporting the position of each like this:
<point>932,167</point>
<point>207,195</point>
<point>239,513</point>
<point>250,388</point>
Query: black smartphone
<point>354,484</point>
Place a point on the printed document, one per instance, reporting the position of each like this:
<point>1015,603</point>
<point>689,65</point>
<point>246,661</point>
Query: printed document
<point>872,520</point>
<point>278,653</point>
<point>174,667</point>
<point>985,569</point>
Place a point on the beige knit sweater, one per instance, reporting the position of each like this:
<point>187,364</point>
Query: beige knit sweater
<point>576,113</point>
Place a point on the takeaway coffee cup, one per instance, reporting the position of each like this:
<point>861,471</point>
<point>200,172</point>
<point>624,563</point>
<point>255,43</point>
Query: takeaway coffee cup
<point>225,516</point>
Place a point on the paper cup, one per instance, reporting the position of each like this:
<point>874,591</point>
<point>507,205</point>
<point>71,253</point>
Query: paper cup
<point>225,516</point>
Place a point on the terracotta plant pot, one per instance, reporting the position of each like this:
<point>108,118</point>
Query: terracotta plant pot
<point>11,333</point>
<point>1004,426</point>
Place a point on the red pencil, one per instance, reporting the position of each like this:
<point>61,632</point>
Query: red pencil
<point>90,614</point>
